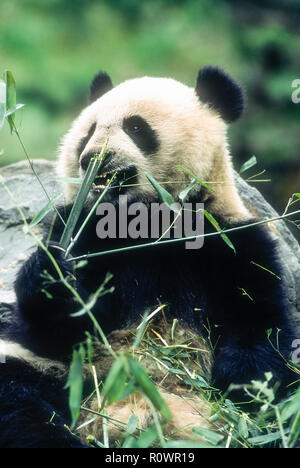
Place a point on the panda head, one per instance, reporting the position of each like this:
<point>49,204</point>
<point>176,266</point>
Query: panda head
<point>155,125</point>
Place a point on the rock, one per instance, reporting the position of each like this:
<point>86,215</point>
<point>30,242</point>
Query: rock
<point>26,194</point>
<point>16,246</point>
<point>289,249</point>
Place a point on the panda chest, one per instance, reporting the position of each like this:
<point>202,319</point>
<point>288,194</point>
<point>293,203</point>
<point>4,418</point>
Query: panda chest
<point>144,282</point>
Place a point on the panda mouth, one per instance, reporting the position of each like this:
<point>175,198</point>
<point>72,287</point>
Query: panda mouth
<point>121,179</point>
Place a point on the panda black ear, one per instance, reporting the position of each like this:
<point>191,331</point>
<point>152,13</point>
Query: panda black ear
<point>221,92</point>
<point>100,85</point>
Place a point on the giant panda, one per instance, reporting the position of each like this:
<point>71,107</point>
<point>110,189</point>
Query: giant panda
<point>150,125</point>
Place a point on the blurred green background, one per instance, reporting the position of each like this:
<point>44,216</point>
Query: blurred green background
<point>54,47</point>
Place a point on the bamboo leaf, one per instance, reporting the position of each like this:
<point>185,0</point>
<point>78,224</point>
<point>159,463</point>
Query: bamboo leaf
<point>75,383</point>
<point>93,209</point>
<point>148,388</point>
<point>115,381</point>
<point>11,96</point>
<point>141,329</point>
<point>132,424</point>
<point>148,438</point>
<point>291,408</point>
<point>216,225</point>
<point>129,389</point>
<point>89,347</point>
<point>295,430</point>
<point>243,428</point>
<point>185,444</point>
<point>210,436</point>
<point>187,171</point>
<point>228,242</point>
<point>163,193</point>
<point>101,291</point>
<point>2,102</point>
<point>248,164</point>
<point>44,211</point>
<point>129,442</point>
<point>184,193</point>
<point>265,439</point>
<point>87,182</point>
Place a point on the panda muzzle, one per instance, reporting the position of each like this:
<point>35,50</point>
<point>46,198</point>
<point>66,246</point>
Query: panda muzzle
<point>122,177</point>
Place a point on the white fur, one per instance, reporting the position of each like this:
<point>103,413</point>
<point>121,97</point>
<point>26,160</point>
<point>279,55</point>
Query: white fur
<point>190,134</point>
<point>15,350</point>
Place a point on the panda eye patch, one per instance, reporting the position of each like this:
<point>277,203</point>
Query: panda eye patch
<point>84,140</point>
<point>141,133</point>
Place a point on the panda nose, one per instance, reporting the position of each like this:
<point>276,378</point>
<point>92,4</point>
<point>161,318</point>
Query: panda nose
<point>85,160</point>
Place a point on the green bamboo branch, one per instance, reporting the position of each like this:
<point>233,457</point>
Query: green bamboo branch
<point>88,180</point>
<point>75,239</point>
<point>182,239</point>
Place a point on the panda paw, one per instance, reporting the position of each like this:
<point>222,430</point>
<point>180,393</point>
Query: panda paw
<point>42,284</point>
<point>236,367</point>
<point>56,270</point>
<point>57,253</point>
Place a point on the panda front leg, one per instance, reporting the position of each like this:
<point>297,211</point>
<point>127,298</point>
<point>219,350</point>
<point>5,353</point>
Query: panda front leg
<point>45,303</point>
<point>33,408</point>
<point>249,313</point>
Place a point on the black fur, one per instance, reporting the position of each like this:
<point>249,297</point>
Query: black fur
<point>84,141</point>
<point>141,133</point>
<point>221,92</point>
<point>212,278</point>
<point>33,409</point>
<point>205,287</point>
<point>85,159</point>
<point>100,85</point>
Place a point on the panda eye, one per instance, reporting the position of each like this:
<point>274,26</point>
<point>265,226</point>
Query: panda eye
<point>134,128</point>
<point>131,125</point>
<point>141,133</point>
